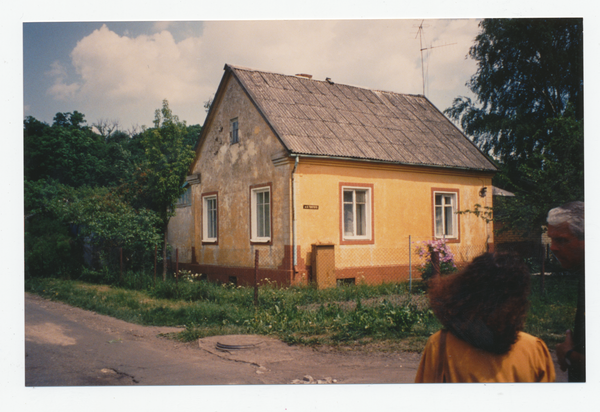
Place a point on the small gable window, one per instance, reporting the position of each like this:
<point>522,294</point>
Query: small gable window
<point>186,198</point>
<point>234,131</point>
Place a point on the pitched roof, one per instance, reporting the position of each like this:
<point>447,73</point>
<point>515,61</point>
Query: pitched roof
<point>323,118</point>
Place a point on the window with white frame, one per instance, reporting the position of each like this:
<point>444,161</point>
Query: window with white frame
<point>209,218</point>
<point>261,214</point>
<point>356,209</point>
<point>234,131</point>
<point>445,217</point>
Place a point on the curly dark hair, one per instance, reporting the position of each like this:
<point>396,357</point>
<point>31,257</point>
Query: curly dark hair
<point>486,303</point>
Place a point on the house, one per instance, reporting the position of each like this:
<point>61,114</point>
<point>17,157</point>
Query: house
<point>329,182</point>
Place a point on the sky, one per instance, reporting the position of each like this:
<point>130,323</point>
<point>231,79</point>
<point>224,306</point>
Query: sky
<point>121,71</point>
<point>117,60</point>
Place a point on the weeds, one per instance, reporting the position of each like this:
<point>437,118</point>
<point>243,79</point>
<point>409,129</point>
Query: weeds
<point>346,315</point>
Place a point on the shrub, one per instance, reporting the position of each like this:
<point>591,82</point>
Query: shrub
<point>447,264</point>
<point>50,249</point>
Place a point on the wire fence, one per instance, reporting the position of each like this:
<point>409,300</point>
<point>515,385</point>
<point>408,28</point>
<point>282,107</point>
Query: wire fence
<point>323,265</point>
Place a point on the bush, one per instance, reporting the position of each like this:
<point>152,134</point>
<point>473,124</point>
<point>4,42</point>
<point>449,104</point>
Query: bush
<point>50,249</point>
<point>447,264</point>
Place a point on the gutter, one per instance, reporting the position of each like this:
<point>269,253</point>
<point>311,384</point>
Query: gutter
<point>294,230</point>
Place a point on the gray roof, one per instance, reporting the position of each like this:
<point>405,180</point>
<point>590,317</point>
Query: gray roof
<point>496,191</point>
<point>323,118</point>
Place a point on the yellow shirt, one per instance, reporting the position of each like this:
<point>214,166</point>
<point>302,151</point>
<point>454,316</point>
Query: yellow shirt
<point>528,361</point>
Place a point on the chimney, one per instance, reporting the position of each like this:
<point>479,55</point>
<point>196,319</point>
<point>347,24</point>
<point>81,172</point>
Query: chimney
<point>308,76</point>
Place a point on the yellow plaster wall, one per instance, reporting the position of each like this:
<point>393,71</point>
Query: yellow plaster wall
<point>402,206</point>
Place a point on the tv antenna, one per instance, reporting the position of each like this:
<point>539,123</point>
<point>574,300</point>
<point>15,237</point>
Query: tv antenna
<point>420,34</point>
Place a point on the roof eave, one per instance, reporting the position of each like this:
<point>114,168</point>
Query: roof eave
<point>387,162</point>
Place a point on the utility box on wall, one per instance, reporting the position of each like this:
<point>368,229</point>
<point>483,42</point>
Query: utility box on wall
<point>323,266</point>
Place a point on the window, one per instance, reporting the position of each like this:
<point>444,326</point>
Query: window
<point>357,213</point>
<point>234,133</point>
<point>186,198</point>
<point>261,214</point>
<point>445,217</point>
<point>209,218</point>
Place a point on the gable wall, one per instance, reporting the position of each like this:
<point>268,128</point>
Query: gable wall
<point>231,170</point>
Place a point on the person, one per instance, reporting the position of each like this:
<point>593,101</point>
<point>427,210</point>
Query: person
<point>482,310</point>
<point>566,229</point>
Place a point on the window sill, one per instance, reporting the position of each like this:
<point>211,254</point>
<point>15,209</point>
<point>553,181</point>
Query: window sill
<point>260,241</point>
<point>449,239</point>
<point>357,242</point>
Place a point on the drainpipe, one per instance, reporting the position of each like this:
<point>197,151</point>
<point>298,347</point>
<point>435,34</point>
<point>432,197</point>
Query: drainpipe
<point>294,234</point>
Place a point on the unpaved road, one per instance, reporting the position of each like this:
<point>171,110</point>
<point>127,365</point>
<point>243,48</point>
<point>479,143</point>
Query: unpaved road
<point>67,346</point>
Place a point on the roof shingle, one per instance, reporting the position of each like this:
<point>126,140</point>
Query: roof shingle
<point>319,118</point>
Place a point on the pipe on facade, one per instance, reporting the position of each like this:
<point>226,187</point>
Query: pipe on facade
<point>294,234</point>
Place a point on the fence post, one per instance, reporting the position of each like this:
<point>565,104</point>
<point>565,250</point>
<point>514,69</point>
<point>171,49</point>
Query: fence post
<point>543,268</point>
<point>176,265</point>
<point>409,264</point>
<point>155,252</point>
<point>121,263</point>
<point>256,278</point>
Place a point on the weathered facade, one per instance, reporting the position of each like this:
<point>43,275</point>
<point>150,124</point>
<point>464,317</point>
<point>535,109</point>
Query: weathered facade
<point>286,163</point>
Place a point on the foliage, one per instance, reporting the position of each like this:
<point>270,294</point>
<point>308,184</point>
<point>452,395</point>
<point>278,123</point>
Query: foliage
<point>167,161</point>
<point>50,249</point>
<point>71,153</point>
<point>529,112</point>
<point>106,221</point>
<point>424,250</point>
<point>484,212</point>
<point>552,309</point>
<point>210,309</point>
<point>89,189</point>
<point>299,315</point>
<point>168,158</point>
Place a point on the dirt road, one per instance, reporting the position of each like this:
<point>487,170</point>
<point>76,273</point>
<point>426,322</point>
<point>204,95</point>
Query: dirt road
<point>67,346</point>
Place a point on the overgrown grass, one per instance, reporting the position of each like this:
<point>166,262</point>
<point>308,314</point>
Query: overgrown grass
<point>304,315</point>
<point>388,314</point>
<point>552,311</point>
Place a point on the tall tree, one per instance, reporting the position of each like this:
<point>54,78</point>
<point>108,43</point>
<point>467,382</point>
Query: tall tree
<point>528,114</point>
<point>167,160</point>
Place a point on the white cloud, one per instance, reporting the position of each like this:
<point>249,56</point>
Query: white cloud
<point>127,77</point>
<point>60,90</point>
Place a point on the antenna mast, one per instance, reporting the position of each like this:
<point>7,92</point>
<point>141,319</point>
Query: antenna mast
<point>420,34</point>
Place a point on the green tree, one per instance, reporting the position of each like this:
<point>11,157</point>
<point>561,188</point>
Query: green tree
<point>168,158</point>
<point>72,154</point>
<point>528,114</point>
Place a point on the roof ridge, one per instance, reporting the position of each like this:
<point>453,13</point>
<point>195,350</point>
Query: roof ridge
<point>236,67</point>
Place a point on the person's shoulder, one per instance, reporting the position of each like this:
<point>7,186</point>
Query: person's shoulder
<point>434,340</point>
<point>525,339</point>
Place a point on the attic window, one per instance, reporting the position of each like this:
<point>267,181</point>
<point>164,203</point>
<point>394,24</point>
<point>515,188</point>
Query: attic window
<point>234,131</point>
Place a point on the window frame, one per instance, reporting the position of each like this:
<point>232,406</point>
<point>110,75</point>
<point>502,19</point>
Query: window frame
<point>254,191</point>
<point>369,237</point>
<point>206,240</point>
<point>234,131</point>
<point>455,237</point>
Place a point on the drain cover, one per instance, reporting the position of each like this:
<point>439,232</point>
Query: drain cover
<point>223,347</point>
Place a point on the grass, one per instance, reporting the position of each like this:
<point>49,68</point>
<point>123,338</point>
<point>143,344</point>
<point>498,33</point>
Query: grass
<point>384,317</point>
